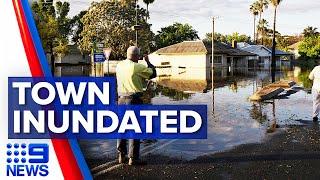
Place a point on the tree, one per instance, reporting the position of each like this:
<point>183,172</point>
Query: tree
<point>125,2</point>
<point>283,43</point>
<point>228,38</point>
<point>217,37</point>
<point>110,22</point>
<point>77,26</point>
<point>175,33</point>
<point>261,5</point>
<point>275,4</point>
<point>263,29</point>
<point>62,10</point>
<point>148,2</point>
<point>310,47</point>
<point>310,31</point>
<point>53,26</point>
<point>255,12</point>
<point>238,37</point>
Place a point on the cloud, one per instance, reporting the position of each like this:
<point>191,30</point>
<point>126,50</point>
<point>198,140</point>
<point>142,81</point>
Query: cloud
<point>298,6</point>
<point>233,15</point>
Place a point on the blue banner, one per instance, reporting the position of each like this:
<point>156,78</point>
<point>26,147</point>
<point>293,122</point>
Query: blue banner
<point>86,108</point>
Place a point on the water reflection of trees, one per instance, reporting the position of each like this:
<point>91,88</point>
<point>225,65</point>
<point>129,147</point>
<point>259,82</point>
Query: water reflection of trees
<point>165,91</point>
<point>172,93</point>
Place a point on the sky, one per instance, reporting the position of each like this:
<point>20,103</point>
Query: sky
<point>232,15</point>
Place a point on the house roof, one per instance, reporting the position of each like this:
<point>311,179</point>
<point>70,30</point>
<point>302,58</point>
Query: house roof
<point>201,47</point>
<point>281,53</point>
<point>294,46</point>
<point>222,48</point>
<point>186,47</point>
<point>261,49</point>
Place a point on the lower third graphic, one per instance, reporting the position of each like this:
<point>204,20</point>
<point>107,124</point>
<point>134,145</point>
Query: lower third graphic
<point>27,159</point>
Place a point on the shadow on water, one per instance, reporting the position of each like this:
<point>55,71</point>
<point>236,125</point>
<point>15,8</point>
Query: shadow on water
<point>236,120</point>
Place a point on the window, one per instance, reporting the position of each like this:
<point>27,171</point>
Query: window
<point>216,60</point>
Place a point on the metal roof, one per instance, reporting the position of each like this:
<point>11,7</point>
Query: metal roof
<point>201,47</point>
<point>262,50</point>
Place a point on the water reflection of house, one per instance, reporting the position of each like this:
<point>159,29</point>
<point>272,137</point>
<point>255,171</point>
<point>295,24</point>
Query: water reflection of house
<point>283,59</point>
<point>187,86</point>
<point>197,55</point>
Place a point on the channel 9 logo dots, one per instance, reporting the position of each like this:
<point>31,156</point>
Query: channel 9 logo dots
<point>16,153</point>
<point>27,159</point>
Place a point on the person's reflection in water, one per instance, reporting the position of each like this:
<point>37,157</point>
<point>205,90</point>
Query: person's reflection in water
<point>273,125</point>
<point>146,98</point>
<point>257,113</point>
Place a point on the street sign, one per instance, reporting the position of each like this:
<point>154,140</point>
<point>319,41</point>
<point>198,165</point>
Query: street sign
<point>100,45</point>
<point>99,57</point>
<point>107,52</point>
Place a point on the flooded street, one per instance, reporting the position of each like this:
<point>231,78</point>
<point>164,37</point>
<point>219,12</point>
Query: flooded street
<point>233,121</point>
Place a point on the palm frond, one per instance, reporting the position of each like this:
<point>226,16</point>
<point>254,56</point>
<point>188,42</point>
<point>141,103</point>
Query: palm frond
<point>275,3</point>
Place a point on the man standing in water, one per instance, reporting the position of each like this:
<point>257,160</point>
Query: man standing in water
<point>130,79</point>
<point>315,76</point>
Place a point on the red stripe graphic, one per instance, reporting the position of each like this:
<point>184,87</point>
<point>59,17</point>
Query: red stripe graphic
<point>67,161</point>
<point>31,54</point>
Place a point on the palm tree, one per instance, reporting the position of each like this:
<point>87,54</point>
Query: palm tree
<point>261,6</point>
<point>255,13</point>
<point>263,29</point>
<point>275,4</point>
<point>148,2</point>
<point>310,31</point>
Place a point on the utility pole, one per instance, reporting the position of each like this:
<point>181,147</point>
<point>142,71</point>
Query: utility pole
<point>136,2</point>
<point>212,66</point>
<point>136,27</point>
<point>273,59</point>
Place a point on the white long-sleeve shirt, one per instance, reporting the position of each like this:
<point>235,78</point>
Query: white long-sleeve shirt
<point>315,76</point>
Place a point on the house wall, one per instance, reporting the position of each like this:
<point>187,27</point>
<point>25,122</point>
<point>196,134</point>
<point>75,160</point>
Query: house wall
<point>218,65</point>
<point>241,62</point>
<point>181,66</point>
<point>175,61</point>
<point>75,58</point>
<point>265,63</point>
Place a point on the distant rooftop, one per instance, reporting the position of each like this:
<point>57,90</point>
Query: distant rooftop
<point>294,46</point>
<point>256,49</point>
<point>201,47</point>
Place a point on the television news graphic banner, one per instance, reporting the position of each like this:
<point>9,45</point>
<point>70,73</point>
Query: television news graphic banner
<point>86,108</point>
<point>27,159</point>
<point>28,59</point>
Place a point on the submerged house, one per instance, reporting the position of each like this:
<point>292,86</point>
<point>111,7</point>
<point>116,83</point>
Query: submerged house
<point>72,63</point>
<point>283,59</point>
<point>196,55</point>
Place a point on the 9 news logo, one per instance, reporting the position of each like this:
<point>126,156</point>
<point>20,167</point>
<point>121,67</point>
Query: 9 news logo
<point>27,160</point>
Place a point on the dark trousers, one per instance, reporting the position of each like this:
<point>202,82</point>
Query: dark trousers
<point>134,144</point>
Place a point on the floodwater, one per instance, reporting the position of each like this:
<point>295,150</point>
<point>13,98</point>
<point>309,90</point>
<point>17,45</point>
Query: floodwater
<point>232,119</point>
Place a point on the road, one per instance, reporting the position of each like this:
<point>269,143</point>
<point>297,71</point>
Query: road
<point>292,152</point>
